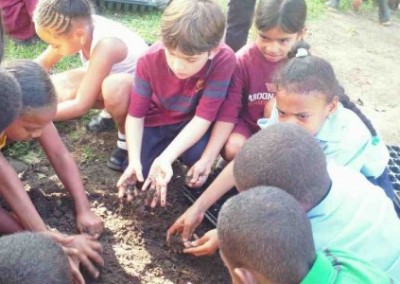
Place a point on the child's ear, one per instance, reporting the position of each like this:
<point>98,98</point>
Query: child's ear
<point>213,52</point>
<point>333,105</point>
<point>245,276</point>
<point>81,35</point>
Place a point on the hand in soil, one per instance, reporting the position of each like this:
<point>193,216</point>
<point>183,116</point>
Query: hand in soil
<point>139,197</point>
<point>198,173</point>
<point>206,245</point>
<point>84,249</point>
<point>159,176</point>
<point>186,223</point>
<point>177,245</point>
<point>130,177</point>
<point>90,223</point>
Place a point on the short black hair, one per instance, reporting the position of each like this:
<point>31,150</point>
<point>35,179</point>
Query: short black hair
<point>36,86</point>
<point>31,258</point>
<point>10,99</point>
<point>286,156</point>
<point>265,230</point>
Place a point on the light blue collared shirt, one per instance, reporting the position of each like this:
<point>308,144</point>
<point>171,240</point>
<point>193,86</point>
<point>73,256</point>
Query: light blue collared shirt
<point>346,140</point>
<point>356,216</point>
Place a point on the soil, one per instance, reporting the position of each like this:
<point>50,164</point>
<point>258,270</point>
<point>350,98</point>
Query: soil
<point>367,60</point>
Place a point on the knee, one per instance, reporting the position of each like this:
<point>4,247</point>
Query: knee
<point>115,90</point>
<point>231,148</point>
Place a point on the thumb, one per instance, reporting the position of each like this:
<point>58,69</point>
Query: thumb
<point>200,241</point>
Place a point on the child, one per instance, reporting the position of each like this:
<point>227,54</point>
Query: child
<point>32,258</point>
<point>280,247</point>
<point>34,121</point>
<point>346,211</point>
<point>310,96</point>
<point>36,258</point>
<point>180,84</point>
<point>108,51</point>
<point>280,24</point>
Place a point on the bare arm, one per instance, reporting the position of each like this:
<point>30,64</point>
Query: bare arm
<point>49,58</point>
<point>104,56</point>
<point>67,171</point>
<point>12,190</point>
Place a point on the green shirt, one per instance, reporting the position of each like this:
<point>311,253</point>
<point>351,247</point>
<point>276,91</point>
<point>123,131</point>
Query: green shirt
<point>333,266</point>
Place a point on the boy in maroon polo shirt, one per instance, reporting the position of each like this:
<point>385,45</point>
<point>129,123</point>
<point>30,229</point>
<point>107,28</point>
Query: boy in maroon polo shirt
<point>179,87</point>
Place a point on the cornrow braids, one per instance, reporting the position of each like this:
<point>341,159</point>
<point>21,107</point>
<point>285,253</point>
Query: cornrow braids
<point>347,103</point>
<point>59,14</point>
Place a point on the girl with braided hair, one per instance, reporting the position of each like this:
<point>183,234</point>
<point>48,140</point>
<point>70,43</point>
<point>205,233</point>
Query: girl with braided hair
<point>309,95</point>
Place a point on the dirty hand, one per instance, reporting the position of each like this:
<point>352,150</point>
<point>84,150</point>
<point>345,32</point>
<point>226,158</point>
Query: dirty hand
<point>90,223</point>
<point>198,173</point>
<point>186,223</point>
<point>159,176</point>
<point>128,179</point>
<point>206,245</point>
<point>85,250</point>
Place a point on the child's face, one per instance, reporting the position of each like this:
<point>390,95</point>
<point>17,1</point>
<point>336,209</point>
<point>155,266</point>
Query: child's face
<point>306,110</point>
<point>185,66</point>
<point>64,45</point>
<point>30,125</point>
<point>275,44</point>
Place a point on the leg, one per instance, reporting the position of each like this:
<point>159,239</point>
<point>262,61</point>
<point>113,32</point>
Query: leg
<point>238,137</point>
<point>155,141</point>
<point>8,223</point>
<point>384,12</point>
<point>67,83</point>
<point>239,19</point>
<point>116,94</point>
<point>193,154</point>
<point>233,145</point>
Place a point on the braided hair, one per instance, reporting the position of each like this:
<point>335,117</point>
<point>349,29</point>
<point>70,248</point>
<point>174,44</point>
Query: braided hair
<point>59,14</point>
<point>307,74</point>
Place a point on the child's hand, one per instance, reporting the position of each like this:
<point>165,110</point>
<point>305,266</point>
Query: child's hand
<point>186,224</point>
<point>198,173</point>
<point>90,223</point>
<point>85,250</point>
<point>206,245</point>
<point>159,176</point>
<point>77,277</point>
<point>128,179</point>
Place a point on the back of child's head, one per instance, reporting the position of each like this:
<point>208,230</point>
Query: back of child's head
<point>192,26</point>
<point>58,15</point>
<point>306,74</point>
<point>31,258</point>
<point>10,99</point>
<point>286,156</point>
<point>266,231</point>
<point>38,91</point>
<point>289,15</point>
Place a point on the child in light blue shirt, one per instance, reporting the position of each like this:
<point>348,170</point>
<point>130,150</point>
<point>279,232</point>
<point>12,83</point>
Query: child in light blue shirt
<point>309,95</point>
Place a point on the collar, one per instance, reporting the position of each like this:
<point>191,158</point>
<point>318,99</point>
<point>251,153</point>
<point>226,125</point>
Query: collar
<point>322,271</point>
<point>332,129</point>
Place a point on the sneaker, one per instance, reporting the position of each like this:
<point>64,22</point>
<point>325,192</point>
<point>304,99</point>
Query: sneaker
<point>100,124</point>
<point>117,159</point>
